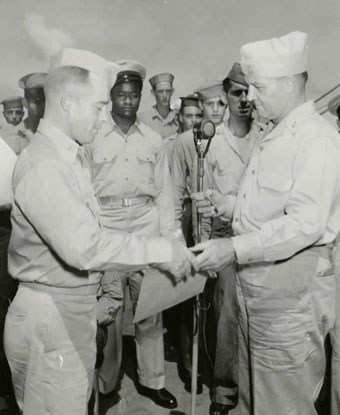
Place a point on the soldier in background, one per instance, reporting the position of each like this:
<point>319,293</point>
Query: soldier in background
<point>13,110</point>
<point>18,137</point>
<point>131,178</point>
<point>189,113</point>
<point>33,86</point>
<point>161,118</point>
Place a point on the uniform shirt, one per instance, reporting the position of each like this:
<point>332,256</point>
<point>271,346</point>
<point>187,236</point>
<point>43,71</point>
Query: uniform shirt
<point>169,144</point>
<point>165,127</point>
<point>224,165</point>
<point>16,137</point>
<point>56,236</point>
<point>133,164</point>
<point>289,198</point>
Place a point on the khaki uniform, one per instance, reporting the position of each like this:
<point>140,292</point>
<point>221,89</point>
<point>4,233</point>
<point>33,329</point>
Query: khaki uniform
<point>165,127</point>
<point>56,240</point>
<point>16,137</point>
<point>224,165</point>
<point>286,216</point>
<point>131,178</point>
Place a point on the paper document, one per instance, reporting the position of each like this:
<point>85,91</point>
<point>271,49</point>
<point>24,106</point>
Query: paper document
<point>158,292</point>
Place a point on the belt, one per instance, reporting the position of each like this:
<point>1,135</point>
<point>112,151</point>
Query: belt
<point>83,290</point>
<point>124,201</point>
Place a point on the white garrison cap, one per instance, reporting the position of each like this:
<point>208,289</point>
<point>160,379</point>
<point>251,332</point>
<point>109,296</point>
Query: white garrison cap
<point>275,57</point>
<point>85,60</point>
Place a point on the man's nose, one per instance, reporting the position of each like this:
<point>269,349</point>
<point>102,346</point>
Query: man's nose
<point>251,93</point>
<point>243,98</point>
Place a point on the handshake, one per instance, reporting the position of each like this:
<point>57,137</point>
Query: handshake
<point>210,255</point>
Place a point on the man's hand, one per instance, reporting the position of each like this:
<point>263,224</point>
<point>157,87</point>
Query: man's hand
<point>211,203</point>
<point>183,262</point>
<point>214,254</point>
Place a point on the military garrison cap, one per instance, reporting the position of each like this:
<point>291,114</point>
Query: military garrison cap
<point>237,75</point>
<point>211,89</point>
<point>12,102</point>
<point>33,80</point>
<point>189,101</point>
<point>166,78</point>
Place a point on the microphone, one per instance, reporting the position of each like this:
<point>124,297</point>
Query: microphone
<point>205,130</point>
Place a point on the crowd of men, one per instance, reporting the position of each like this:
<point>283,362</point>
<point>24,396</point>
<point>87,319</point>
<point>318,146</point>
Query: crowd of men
<point>101,195</point>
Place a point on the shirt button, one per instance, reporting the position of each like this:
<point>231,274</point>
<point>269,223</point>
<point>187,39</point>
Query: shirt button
<point>126,178</point>
<point>244,196</point>
<point>237,219</point>
<point>261,148</point>
<point>126,159</point>
<point>253,172</point>
<point>250,259</point>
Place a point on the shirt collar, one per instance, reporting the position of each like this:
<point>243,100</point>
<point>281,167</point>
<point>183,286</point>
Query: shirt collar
<point>67,147</point>
<point>294,119</point>
<point>169,119</point>
<point>111,126</point>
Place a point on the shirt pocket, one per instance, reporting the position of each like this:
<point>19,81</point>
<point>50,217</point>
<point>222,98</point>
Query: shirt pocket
<point>274,182</point>
<point>102,155</point>
<point>146,159</point>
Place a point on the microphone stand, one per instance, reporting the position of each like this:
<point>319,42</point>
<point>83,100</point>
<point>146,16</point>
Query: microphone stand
<point>201,153</point>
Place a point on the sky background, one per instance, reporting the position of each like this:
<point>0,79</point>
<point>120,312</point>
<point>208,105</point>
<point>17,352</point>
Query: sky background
<point>196,40</point>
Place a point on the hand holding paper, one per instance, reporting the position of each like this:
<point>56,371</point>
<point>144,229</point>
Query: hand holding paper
<point>183,262</point>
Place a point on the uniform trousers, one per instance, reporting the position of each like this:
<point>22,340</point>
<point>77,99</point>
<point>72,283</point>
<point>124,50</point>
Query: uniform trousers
<point>286,312</point>
<point>226,309</point>
<point>50,344</point>
<point>142,219</point>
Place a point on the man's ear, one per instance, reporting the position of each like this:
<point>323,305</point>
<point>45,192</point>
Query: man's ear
<point>200,105</point>
<point>172,91</point>
<point>65,102</point>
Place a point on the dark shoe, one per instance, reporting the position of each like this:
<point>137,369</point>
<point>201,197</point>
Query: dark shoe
<point>218,409</point>
<point>187,383</point>
<point>161,397</point>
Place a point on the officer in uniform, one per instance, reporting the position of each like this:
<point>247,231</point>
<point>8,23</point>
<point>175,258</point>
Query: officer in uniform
<point>161,118</point>
<point>285,218</point>
<point>58,247</point>
<point>131,178</point>
<point>13,110</point>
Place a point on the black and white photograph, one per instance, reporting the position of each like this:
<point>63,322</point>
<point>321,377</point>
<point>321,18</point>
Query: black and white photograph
<point>169,207</point>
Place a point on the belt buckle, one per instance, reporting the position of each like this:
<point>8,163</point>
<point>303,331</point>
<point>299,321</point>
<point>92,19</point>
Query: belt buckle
<point>126,202</point>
